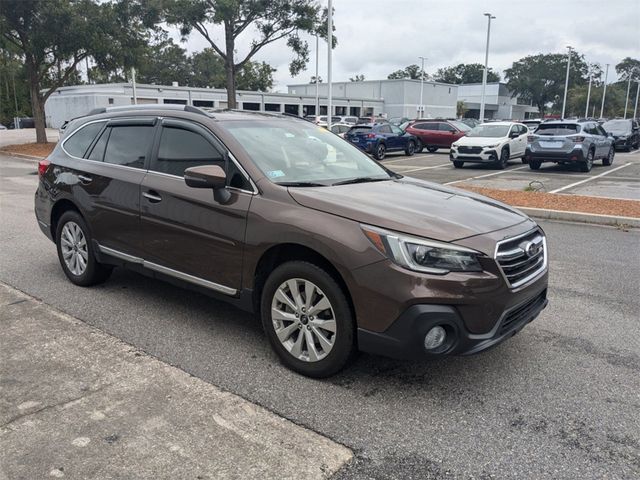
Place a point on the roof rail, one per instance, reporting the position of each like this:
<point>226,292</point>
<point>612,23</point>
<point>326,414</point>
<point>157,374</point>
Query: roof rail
<point>149,106</point>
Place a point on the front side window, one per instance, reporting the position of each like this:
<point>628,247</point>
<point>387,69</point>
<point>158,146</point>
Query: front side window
<point>78,143</point>
<point>384,129</point>
<point>128,145</point>
<point>293,152</point>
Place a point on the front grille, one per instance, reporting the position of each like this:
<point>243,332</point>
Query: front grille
<point>522,313</point>
<point>464,149</point>
<point>523,257</point>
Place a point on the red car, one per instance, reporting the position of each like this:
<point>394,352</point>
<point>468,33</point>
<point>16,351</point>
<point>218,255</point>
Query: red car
<point>435,134</point>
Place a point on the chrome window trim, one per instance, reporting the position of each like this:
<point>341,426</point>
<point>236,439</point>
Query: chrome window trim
<point>535,275</point>
<point>103,120</point>
<point>168,271</point>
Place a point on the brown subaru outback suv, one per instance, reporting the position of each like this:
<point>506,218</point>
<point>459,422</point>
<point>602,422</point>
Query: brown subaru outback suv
<point>334,252</point>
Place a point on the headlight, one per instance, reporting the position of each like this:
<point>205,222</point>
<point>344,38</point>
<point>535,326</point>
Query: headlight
<point>492,146</point>
<point>423,255</point>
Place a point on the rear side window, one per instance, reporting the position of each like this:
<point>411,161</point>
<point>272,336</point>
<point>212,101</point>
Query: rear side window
<point>558,129</point>
<point>97,152</point>
<point>78,143</point>
<point>128,145</point>
<point>426,126</point>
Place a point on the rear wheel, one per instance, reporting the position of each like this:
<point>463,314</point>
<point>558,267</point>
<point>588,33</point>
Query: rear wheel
<point>458,163</point>
<point>588,163</point>
<point>380,151</point>
<point>307,319</point>
<point>503,162</point>
<point>411,148</point>
<point>535,164</point>
<point>75,251</point>
<point>608,160</point>
<point>432,149</point>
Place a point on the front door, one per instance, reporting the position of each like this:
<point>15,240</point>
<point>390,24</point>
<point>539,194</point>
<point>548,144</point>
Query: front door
<point>187,234</point>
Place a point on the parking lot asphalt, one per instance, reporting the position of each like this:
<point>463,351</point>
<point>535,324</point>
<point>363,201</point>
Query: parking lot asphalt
<point>559,400</point>
<point>620,180</point>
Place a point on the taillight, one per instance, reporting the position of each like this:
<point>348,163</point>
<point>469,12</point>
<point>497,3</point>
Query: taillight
<point>371,135</point>
<point>577,139</point>
<point>531,138</point>
<point>42,167</point>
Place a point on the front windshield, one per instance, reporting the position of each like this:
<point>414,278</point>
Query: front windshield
<point>461,126</point>
<point>488,131</point>
<point>293,152</point>
<point>617,126</point>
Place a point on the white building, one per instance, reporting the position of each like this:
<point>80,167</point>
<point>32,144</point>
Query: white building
<point>499,103</point>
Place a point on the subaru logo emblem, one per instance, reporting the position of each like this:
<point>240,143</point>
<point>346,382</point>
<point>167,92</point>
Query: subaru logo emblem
<point>531,248</point>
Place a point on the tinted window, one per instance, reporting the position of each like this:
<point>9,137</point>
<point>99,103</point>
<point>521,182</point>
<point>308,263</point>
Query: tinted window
<point>426,126</point>
<point>396,130</point>
<point>445,127</point>
<point>128,145</point>
<point>385,129</point>
<point>78,143</point>
<point>557,129</point>
<point>97,152</point>
<point>181,149</point>
<point>601,131</point>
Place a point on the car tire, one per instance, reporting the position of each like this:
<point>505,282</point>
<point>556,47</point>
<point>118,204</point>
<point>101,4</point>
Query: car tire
<point>380,151</point>
<point>588,163</point>
<point>503,161</point>
<point>458,163</point>
<point>608,160</point>
<point>411,148</point>
<point>297,337</point>
<point>535,164</point>
<point>432,149</point>
<point>524,160</point>
<point>75,251</point>
<point>419,146</point>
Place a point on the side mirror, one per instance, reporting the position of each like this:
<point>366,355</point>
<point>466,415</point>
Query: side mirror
<point>209,176</point>
<point>514,135</point>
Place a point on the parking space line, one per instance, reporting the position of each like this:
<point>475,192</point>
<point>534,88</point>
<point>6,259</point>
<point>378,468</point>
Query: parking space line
<point>426,168</point>
<point>408,159</point>
<point>561,189</point>
<point>501,172</point>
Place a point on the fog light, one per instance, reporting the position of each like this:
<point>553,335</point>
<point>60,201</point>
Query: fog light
<point>434,338</point>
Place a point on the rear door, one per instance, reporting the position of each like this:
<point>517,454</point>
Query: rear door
<point>187,234</point>
<point>108,187</point>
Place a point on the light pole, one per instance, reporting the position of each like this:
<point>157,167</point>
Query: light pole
<point>626,102</point>
<point>317,112</point>
<point>635,109</point>
<point>330,42</point>
<point>486,65</point>
<point>566,81</point>
<point>604,92</point>
<point>420,107</point>
<point>586,109</point>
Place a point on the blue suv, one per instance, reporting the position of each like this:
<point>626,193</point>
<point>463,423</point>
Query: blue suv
<point>380,138</point>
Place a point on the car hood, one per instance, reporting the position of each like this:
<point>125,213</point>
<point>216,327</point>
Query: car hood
<point>479,141</point>
<point>412,206</point>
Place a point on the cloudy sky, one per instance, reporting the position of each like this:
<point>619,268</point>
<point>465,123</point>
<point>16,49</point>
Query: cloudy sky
<point>376,37</point>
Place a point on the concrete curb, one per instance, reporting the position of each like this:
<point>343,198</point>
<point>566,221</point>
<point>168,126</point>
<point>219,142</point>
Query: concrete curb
<point>580,217</point>
<point>21,156</point>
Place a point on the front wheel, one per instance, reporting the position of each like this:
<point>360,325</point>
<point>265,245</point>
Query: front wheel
<point>608,160</point>
<point>503,162</point>
<point>380,151</point>
<point>75,251</point>
<point>458,163</point>
<point>307,319</point>
<point>535,164</point>
<point>411,148</point>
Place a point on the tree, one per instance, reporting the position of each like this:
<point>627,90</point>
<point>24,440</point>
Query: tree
<point>412,72</point>
<point>465,73</point>
<point>271,20</point>
<point>14,95</point>
<point>164,63</point>
<point>357,78</point>
<point>540,78</point>
<point>313,79</point>
<point>628,66</point>
<point>54,37</point>
<point>461,108</point>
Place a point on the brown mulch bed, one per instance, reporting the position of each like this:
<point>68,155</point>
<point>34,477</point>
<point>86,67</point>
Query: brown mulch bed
<point>564,202</point>
<point>32,149</point>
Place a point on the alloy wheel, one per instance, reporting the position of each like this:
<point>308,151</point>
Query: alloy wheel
<point>303,320</point>
<point>75,252</point>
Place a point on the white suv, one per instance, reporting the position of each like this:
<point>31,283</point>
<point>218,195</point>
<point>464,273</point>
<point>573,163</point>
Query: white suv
<point>493,142</point>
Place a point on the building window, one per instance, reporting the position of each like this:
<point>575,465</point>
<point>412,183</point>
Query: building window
<point>203,103</point>
<point>251,106</point>
<point>174,101</point>
<point>271,107</point>
<point>341,111</point>
<point>291,109</point>
<point>309,109</point>
<point>323,109</point>
<point>111,101</point>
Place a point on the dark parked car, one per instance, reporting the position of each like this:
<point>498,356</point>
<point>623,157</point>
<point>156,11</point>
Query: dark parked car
<point>379,138</point>
<point>569,143</point>
<point>371,119</point>
<point>282,218</point>
<point>434,134</point>
<point>626,133</point>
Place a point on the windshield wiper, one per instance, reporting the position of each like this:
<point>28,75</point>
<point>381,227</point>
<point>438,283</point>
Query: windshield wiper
<point>360,180</point>
<point>301,184</point>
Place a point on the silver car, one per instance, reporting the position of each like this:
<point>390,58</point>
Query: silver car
<point>569,143</point>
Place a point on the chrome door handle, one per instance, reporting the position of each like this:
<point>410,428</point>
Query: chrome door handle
<point>85,179</point>
<point>153,197</point>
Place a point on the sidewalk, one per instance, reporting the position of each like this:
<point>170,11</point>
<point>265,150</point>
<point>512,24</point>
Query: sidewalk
<point>80,404</point>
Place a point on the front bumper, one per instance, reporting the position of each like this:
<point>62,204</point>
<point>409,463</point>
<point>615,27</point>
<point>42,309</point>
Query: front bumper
<point>485,156</point>
<point>404,338</point>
